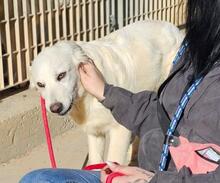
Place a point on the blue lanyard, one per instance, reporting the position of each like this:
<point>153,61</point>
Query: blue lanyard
<point>177,115</point>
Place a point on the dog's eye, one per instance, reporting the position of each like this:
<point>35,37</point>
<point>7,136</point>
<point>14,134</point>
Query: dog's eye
<point>41,85</point>
<point>61,76</point>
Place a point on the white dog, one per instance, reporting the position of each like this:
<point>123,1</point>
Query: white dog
<point>137,57</point>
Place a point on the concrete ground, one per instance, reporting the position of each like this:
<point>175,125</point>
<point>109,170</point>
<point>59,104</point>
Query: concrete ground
<point>70,150</point>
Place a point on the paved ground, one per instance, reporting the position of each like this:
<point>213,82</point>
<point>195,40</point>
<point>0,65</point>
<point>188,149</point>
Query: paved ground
<point>70,151</point>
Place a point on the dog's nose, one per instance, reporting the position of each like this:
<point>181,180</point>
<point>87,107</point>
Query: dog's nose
<point>56,107</point>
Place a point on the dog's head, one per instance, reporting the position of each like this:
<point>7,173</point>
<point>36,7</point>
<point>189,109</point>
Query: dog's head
<point>54,73</point>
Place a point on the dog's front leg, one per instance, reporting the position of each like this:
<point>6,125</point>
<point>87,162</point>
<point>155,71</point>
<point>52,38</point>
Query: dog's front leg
<point>119,141</point>
<point>96,148</point>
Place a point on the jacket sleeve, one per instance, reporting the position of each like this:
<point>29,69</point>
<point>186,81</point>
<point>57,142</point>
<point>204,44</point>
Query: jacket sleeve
<point>137,112</point>
<point>185,176</point>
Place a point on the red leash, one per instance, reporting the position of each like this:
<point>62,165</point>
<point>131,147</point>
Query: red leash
<point>47,133</point>
<point>110,177</point>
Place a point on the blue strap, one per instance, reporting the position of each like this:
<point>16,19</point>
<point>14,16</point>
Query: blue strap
<point>177,115</point>
<point>180,53</point>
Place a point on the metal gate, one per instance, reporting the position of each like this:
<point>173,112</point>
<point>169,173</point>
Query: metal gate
<point>27,26</point>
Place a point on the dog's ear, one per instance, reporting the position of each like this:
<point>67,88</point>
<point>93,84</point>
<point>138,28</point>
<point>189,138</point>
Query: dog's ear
<point>78,54</point>
<point>86,60</point>
<point>74,48</point>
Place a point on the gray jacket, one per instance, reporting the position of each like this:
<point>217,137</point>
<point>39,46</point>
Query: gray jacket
<point>200,122</point>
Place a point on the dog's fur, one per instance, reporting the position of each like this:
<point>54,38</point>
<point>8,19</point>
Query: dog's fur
<point>137,57</point>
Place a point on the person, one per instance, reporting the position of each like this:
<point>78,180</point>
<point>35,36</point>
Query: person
<point>199,122</point>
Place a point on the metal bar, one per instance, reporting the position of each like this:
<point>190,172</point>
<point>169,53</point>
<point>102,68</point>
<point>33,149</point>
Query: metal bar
<point>155,11</point>
<point>178,12</point>
<point>15,84</point>
<point>27,38</point>
<point>17,40</point>
<point>131,11</point>
<point>107,16</point>
<point>91,14</point>
<point>136,10</point>
<point>96,19</point>
<point>64,20</point>
<point>159,5</point>
<point>78,17</point>
<point>84,15</point>
<point>164,10</point>
<point>57,19</point>
<point>71,21</point>
<point>2,84</point>
<point>173,12</point>
<point>168,10</point>
<point>34,27</point>
<point>8,42</point>
<point>42,23</point>
<point>171,9</point>
<point>151,9</point>
<point>113,14</point>
<point>146,9</point>
<point>141,14</point>
<point>183,12</point>
<point>50,22</point>
<point>102,18</point>
<point>120,14</point>
<point>126,12</point>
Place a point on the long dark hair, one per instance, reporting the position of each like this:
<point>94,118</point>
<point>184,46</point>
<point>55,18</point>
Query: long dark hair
<point>203,35</point>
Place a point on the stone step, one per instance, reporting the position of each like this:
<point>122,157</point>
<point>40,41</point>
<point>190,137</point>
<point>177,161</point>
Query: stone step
<point>21,127</point>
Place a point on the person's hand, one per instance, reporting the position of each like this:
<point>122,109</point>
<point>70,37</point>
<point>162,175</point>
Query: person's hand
<point>92,80</point>
<point>132,174</point>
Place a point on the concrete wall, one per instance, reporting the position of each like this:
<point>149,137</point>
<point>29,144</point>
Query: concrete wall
<point>21,126</point>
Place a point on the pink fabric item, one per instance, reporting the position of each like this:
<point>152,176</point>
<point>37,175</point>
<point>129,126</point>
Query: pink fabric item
<point>185,155</point>
<point>113,175</point>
